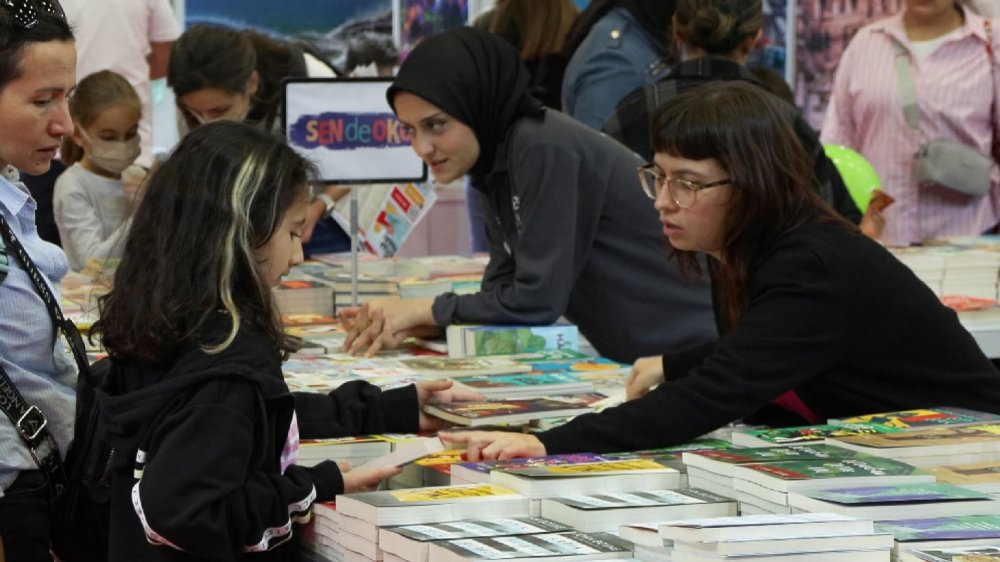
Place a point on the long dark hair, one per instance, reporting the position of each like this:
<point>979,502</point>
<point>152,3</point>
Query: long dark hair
<point>207,56</point>
<point>15,39</point>
<point>740,126</point>
<point>191,249</point>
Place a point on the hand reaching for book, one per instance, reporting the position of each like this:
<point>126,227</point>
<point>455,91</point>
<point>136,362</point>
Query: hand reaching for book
<point>647,372</point>
<point>441,391</point>
<point>494,445</point>
<point>365,479</point>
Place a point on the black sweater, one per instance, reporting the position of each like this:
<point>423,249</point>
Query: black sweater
<point>830,314</point>
<point>212,428</point>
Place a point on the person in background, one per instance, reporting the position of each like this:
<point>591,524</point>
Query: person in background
<point>715,38</point>
<point>205,430</point>
<point>37,73</point>
<point>91,203</point>
<point>371,54</point>
<point>956,81</point>
<point>614,47</point>
<point>539,30</point>
<point>130,37</point>
<point>569,229</point>
<point>223,73</point>
<point>817,320</point>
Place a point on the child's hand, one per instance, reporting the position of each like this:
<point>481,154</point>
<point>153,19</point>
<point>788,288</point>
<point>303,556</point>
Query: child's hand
<point>366,479</point>
<point>494,445</point>
<point>441,391</point>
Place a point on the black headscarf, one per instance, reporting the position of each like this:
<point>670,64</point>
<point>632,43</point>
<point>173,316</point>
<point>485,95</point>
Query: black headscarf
<point>474,76</point>
<point>653,15</point>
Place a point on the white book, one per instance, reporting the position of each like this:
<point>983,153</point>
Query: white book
<point>360,545</point>
<point>406,452</point>
<point>878,555</point>
<point>588,478</point>
<point>548,547</point>
<point>412,541</point>
<point>433,505</point>
<point>788,545</point>
<point>606,512</point>
<point>770,526</point>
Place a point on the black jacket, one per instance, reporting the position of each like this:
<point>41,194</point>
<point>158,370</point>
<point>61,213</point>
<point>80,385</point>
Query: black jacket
<point>207,431</point>
<point>831,315</point>
<point>630,122</point>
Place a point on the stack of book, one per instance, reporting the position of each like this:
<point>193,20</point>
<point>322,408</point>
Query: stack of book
<point>800,435</point>
<point>547,481</point>
<point>713,469</point>
<point>941,532</point>
<point>411,543</point>
<point>479,472</point>
<point>954,270</point>
<point>765,486</point>
<point>983,476</point>
<point>304,296</point>
<point>321,535</point>
<point>606,512</point>
<point>813,537</point>
<point>361,514</point>
<point>931,447</point>
<point>986,553</point>
<point>563,547</point>
<point>895,501</point>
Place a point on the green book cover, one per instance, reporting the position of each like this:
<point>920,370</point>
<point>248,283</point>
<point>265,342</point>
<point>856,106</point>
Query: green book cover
<point>809,433</point>
<point>826,469</point>
<point>898,493</point>
<point>777,454</point>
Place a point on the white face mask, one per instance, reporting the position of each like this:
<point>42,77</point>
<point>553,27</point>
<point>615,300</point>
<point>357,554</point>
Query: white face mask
<point>112,156</point>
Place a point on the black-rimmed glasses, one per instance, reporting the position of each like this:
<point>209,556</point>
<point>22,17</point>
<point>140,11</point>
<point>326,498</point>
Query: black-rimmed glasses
<point>683,192</point>
<point>25,13</point>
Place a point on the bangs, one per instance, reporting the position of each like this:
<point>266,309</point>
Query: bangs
<point>690,127</point>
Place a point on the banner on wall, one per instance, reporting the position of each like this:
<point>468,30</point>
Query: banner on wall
<point>346,128</point>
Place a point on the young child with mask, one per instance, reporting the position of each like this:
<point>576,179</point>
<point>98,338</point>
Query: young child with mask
<point>91,203</point>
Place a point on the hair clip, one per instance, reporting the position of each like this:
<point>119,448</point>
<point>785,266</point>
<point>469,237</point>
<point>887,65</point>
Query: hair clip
<point>25,13</point>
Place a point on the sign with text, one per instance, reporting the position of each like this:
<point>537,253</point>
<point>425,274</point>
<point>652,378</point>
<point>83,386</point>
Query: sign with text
<point>346,127</point>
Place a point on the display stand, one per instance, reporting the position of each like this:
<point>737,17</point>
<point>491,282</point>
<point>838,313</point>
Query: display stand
<point>347,129</point>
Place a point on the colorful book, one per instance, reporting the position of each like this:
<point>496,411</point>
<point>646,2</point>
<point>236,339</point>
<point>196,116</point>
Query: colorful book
<point>896,501</point>
<point>985,553</point>
<point>503,412</point>
<point>539,481</point>
<point>448,367</point>
<point>525,385</point>
<point>475,472</point>
<point>773,481</point>
<point>930,446</point>
<point>723,461</point>
<point>802,434</point>
<point>606,512</point>
<point>522,548</point>
<point>922,418</point>
<point>433,505</point>
<point>479,340</point>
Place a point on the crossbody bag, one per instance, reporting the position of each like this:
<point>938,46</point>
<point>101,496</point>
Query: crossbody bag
<point>947,163</point>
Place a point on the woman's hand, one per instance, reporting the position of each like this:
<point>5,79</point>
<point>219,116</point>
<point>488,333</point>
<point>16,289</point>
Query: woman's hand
<point>441,391</point>
<point>384,323</point>
<point>647,372</point>
<point>494,445</point>
<point>872,223</point>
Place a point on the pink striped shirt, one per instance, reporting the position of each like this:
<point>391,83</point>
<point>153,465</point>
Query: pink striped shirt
<point>955,88</point>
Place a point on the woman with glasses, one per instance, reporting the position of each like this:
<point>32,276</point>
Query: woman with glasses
<point>816,320</point>
<point>37,73</point>
<point>570,231</point>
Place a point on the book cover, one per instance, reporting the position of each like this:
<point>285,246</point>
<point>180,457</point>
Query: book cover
<point>956,527</point>
<point>796,475</point>
<point>446,366</point>
<point>803,434</point>
<point>722,461</point>
<point>475,528</point>
<point>979,475</point>
<point>471,472</point>
<point>896,494</point>
<point>625,500</point>
<point>959,554</point>
<point>605,512</point>
<point>944,440</point>
<point>764,526</point>
<point>501,412</point>
<point>601,468</point>
<point>921,418</point>
<point>556,546</point>
<point>481,340</point>
<point>526,385</point>
<point>432,505</point>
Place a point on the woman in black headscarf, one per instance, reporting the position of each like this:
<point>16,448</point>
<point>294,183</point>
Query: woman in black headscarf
<point>614,47</point>
<point>570,230</point>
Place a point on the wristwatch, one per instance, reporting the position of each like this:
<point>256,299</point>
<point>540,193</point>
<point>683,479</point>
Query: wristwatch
<point>328,202</point>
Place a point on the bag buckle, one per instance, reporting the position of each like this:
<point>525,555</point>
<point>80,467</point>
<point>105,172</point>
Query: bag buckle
<point>31,424</point>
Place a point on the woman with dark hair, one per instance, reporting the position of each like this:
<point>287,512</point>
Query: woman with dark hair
<point>569,230</point>
<point>37,73</point>
<point>223,73</point>
<point>204,428</point>
<point>715,38</point>
<point>817,320</point>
